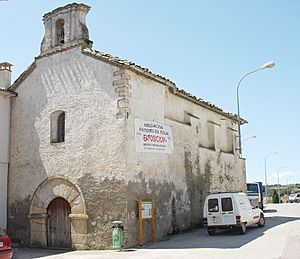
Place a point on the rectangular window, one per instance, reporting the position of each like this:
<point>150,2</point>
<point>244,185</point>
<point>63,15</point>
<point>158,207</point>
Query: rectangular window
<point>61,128</point>
<point>57,130</point>
<point>226,136</point>
<point>229,133</point>
<point>211,135</point>
<point>226,204</point>
<point>252,187</point>
<point>213,205</point>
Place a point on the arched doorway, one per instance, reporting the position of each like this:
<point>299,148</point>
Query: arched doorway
<point>44,202</point>
<point>59,224</point>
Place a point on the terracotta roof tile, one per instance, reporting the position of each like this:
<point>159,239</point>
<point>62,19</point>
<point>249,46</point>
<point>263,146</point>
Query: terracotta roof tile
<point>137,69</point>
<point>145,71</point>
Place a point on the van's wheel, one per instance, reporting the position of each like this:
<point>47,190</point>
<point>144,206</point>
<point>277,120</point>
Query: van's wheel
<point>261,221</point>
<point>243,228</point>
<point>211,231</point>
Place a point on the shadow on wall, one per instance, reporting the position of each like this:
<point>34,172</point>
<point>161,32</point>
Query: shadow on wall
<point>105,204</point>
<point>199,238</point>
<point>165,206</point>
<point>26,166</point>
<point>198,181</point>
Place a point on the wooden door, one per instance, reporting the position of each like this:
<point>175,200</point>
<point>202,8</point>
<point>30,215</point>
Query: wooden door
<point>58,224</point>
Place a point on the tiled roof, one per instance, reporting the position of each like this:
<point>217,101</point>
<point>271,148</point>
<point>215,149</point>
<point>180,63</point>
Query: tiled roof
<point>137,69</point>
<point>23,76</point>
<point>9,92</point>
<point>128,64</point>
<point>146,72</point>
<point>208,105</point>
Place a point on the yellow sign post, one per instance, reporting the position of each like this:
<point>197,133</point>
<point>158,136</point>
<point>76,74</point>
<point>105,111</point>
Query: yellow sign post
<point>146,212</point>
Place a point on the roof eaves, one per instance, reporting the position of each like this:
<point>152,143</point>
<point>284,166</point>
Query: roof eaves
<point>8,92</point>
<point>146,72</point>
<point>30,68</point>
<point>129,65</point>
<point>135,68</point>
<point>208,105</point>
<point>22,77</point>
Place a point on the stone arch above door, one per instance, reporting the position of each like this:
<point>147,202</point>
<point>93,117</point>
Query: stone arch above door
<point>47,191</point>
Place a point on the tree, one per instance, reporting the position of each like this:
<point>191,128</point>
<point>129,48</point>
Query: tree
<point>275,197</point>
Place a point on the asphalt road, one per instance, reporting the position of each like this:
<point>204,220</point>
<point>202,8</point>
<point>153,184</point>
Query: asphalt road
<point>280,238</point>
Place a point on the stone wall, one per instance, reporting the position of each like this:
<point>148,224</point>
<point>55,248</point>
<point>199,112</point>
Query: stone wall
<point>98,155</point>
<point>92,156</point>
<point>178,182</point>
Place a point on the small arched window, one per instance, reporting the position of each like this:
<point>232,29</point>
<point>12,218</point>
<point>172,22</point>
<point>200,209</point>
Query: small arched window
<point>60,32</point>
<point>57,127</point>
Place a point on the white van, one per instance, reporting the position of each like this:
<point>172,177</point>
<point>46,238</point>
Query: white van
<point>230,210</point>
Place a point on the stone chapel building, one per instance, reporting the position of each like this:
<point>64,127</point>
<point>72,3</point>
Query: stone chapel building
<point>91,134</point>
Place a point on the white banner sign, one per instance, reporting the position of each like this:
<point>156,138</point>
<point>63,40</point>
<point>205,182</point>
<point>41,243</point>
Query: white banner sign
<point>151,136</point>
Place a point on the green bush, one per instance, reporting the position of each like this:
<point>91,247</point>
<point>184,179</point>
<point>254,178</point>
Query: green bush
<point>275,197</point>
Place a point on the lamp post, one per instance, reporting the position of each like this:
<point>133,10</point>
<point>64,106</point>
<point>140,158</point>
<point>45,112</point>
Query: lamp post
<point>267,65</point>
<point>266,181</point>
<point>287,186</point>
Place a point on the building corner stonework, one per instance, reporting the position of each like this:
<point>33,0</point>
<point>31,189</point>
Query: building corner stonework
<point>122,89</point>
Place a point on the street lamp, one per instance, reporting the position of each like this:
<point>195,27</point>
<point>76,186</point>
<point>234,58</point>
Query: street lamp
<point>254,136</point>
<point>278,181</point>
<point>244,140</point>
<point>266,181</point>
<point>267,65</point>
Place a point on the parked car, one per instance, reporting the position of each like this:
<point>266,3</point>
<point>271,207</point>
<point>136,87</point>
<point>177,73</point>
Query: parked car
<point>230,210</point>
<point>5,245</point>
<point>294,197</point>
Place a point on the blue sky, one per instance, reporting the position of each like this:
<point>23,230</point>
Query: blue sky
<point>205,47</point>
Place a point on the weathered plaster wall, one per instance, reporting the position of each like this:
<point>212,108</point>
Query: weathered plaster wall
<point>101,102</point>
<point>178,182</point>
<point>4,155</point>
<point>148,174</point>
<point>92,155</point>
<point>3,195</point>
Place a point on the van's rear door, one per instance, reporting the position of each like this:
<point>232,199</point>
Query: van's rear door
<point>227,210</point>
<point>214,211</point>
